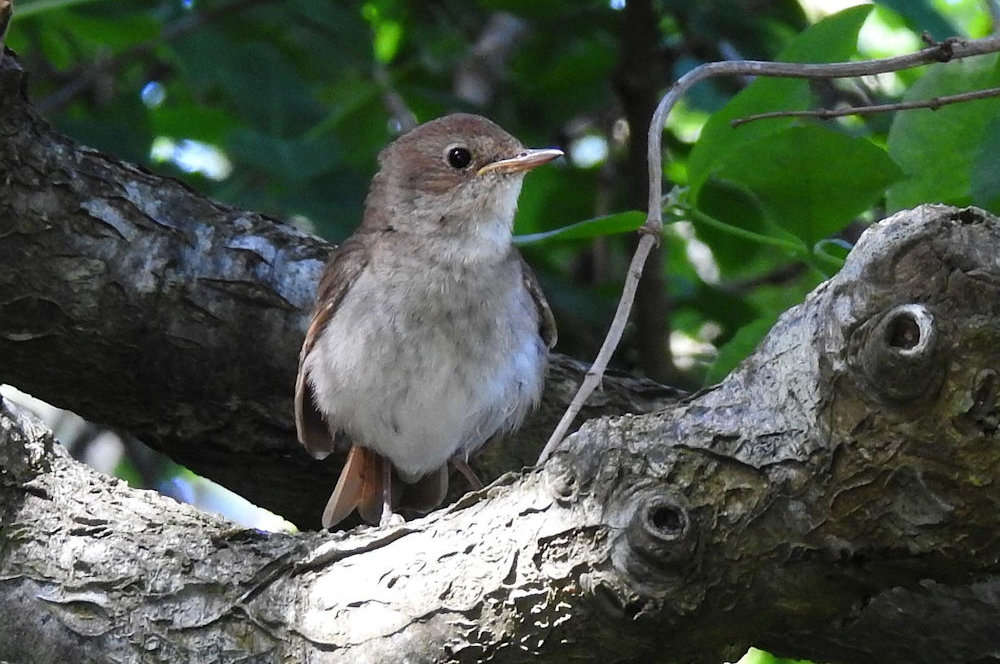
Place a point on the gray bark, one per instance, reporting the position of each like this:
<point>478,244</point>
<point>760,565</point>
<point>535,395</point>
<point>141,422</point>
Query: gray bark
<point>835,498</point>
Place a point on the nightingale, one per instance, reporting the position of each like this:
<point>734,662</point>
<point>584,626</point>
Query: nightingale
<point>430,334</point>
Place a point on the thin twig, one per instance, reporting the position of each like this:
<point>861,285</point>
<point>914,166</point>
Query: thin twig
<point>596,373</point>
<point>828,113</point>
<point>6,11</point>
<point>950,49</point>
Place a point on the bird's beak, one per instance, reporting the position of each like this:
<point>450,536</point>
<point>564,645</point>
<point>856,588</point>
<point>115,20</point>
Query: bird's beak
<point>522,162</point>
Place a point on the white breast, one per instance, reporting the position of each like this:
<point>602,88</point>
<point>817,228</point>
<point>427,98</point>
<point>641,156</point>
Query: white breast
<point>421,369</point>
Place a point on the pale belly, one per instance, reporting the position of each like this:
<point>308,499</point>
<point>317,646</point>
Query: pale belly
<point>421,373</point>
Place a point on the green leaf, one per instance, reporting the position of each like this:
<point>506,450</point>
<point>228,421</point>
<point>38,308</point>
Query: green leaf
<point>734,205</point>
<point>29,7</point>
<point>387,32</point>
<point>348,100</point>
<point>832,39</point>
<point>529,9</point>
<point>923,17</point>
<point>188,120</point>
<point>128,137</point>
<point>986,170</point>
<point>811,181</point>
<point>289,159</point>
<point>940,150</point>
<point>561,77</point>
<point>612,224</point>
<point>553,197</point>
<point>257,79</point>
<point>67,36</point>
<point>115,33</point>
<point>756,656</point>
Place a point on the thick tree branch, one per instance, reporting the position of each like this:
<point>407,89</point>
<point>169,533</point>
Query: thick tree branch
<point>835,498</point>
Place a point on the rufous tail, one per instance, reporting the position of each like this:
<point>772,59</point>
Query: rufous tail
<point>359,486</point>
<point>367,483</point>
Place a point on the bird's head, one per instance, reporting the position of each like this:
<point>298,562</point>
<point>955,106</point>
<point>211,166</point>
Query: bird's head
<point>457,176</point>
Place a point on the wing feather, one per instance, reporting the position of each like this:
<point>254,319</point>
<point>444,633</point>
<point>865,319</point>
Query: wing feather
<point>345,264</point>
<point>547,322</point>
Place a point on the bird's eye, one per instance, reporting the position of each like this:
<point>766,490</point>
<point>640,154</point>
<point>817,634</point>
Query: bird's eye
<point>459,157</point>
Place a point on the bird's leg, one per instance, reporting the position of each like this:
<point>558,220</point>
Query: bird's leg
<point>389,518</point>
<point>462,466</point>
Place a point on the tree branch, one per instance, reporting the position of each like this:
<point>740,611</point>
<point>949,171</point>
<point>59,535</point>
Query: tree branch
<point>834,499</point>
<point>828,113</point>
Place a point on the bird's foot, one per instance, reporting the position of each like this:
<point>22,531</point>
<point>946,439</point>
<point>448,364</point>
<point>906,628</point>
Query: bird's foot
<point>391,519</point>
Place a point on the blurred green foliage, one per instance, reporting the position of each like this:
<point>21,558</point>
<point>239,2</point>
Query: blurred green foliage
<point>283,106</point>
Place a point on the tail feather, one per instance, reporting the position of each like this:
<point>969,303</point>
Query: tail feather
<point>359,486</point>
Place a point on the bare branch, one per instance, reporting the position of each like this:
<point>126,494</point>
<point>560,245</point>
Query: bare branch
<point>596,372</point>
<point>828,113</point>
<point>6,11</point>
<point>951,49</point>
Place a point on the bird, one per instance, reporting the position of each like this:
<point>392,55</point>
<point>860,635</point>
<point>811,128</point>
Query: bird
<point>430,335</point>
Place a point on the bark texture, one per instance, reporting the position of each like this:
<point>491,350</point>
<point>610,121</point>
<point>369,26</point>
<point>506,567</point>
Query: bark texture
<point>835,498</point>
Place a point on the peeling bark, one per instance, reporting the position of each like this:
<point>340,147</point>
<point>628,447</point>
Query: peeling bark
<point>835,498</point>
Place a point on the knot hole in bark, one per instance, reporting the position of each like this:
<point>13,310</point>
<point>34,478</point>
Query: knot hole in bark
<point>908,328</point>
<point>654,556</point>
<point>900,358</point>
<point>665,519</point>
<point>659,532</point>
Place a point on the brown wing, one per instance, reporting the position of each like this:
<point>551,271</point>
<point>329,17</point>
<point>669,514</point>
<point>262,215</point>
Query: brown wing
<point>343,268</point>
<point>547,322</point>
